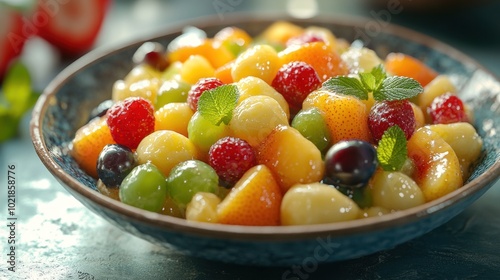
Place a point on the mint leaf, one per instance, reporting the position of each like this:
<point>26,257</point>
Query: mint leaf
<point>397,88</point>
<point>347,86</point>
<point>379,74</point>
<point>17,89</point>
<point>16,98</point>
<point>392,149</point>
<point>368,81</point>
<point>217,105</point>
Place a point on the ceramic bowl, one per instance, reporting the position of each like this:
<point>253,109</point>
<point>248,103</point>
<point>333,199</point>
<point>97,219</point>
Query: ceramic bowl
<point>67,101</point>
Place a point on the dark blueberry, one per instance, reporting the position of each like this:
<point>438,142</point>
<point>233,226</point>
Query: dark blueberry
<point>115,162</point>
<point>350,164</point>
<point>101,109</point>
<point>153,54</point>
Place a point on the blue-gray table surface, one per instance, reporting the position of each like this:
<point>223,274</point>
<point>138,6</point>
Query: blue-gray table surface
<point>58,238</point>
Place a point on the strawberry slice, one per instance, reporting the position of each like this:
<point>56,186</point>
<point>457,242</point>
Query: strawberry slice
<point>11,38</point>
<point>72,26</point>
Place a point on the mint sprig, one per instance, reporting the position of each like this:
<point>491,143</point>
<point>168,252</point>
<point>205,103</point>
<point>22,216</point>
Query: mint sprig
<point>217,105</point>
<point>392,149</point>
<point>377,82</point>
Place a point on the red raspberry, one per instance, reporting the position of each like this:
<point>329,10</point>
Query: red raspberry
<point>304,38</point>
<point>385,114</point>
<point>295,80</point>
<point>447,108</point>
<point>131,120</point>
<point>231,157</point>
<point>197,89</point>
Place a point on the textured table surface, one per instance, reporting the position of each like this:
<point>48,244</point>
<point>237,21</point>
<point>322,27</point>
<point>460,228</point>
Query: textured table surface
<point>58,238</point>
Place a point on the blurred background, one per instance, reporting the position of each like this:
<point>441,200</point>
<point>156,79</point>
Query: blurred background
<point>470,26</point>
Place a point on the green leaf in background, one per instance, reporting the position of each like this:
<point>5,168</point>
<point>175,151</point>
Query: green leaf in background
<point>17,89</point>
<point>217,105</point>
<point>16,98</point>
<point>392,149</point>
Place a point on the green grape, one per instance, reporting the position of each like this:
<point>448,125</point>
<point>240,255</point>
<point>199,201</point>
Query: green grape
<point>190,177</point>
<point>145,188</point>
<point>311,125</point>
<point>173,72</point>
<point>172,91</point>
<point>203,134</point>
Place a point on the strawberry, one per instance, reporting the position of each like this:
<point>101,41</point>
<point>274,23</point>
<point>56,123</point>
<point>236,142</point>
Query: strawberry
<point>11,38</point>
<point>72,26</point>
<point>385,114</point>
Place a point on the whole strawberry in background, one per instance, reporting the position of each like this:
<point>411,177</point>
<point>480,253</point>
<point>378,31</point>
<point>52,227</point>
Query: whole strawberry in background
<point>71,26</point>
<point>10,24</point>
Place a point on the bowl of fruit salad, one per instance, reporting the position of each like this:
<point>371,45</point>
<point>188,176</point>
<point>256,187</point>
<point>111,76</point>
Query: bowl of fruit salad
<point>273,141</point>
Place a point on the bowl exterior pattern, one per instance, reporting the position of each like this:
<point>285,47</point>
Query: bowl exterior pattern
<point>84,88</point>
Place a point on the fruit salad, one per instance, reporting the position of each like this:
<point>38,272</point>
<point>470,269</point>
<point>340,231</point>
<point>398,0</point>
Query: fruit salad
<point>291,127</point>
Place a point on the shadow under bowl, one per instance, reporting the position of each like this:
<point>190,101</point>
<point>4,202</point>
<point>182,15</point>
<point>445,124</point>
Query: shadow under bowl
<point>66,103</point>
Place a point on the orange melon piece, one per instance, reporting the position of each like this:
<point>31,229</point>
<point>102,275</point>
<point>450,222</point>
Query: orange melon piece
<point>255,200</point>
<point>400,64</point>
<point>346,116</point>
<point>88,143</point>
<point>291,157</point>
<point>319,55</point>
<point>223,73</point>
<point>214,52</point>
